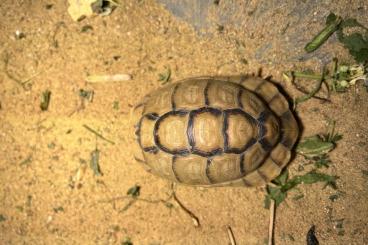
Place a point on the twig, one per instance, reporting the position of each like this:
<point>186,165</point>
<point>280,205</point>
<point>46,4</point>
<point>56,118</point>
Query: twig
<point>172,195</point>
<point>132,200</point>
<point>231,236</point>
<point>108,78</point>
<point>194,218</point>
<point>334,76</point>
<point>94,162</point>
<point>292,75</point>
<point>311,93</point>
<point>126,207</point>
<point>98,134</point>
<point>298,74</point>
<point>304,91</point>
<point>271,225</point>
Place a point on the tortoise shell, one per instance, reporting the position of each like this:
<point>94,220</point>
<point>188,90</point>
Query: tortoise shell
<point>216,131</point>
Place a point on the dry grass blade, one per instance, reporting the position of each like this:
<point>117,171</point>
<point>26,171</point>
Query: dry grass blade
<point>108,78</point>
<point>313,92</point>
<point>94,164</point>
<point>231,236</point>
<point>194,218</point>
<point>272,222</point>
<point>45,100</point>
<point>98,134</point>
<point>291,78</point>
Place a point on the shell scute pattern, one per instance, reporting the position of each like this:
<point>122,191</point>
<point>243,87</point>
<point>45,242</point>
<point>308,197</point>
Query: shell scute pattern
<point>213,132</point>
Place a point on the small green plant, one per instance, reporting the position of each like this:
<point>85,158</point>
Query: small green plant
<point>45,100</point>
<point>134,191</point>
<point>165,77</point>
<point>341,76</point>
<point>280,186</point>
<point>86,94</point>
<point>2,218</point>
<point>58,209</point>
<point>317,146</point>
<point>322,36</point>
<point>331,136</point>
<point>115,105</point>
<point>127,241</point>
<point>356,43</point>
<point>94,163</point>
<point>321,161</point>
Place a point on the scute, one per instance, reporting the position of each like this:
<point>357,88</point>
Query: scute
<point>205,131</point>
<point>158,164</point>
<point>240,131</point>
<point>189,95</point>
<point>216,131</point>
<point>253,157</point>
<point>251,104</point>
<point>272,129</point>
<point>160,101</point>
<point>169,131</point>
<point>222,95</point>
<point>191,170</point>
<point>224,168</point>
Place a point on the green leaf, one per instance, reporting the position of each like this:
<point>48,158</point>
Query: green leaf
<point>86,94</point>
<point>279,193</point>
<point>365,173</point>
<point>134,191</point>
<point>282,178</point>
<point>298,197</point>
<point>352,23</point>
<point>309,178</point>
<point>165,77</point>
<point>58,209</point>
<point>322,161</point>
<point>267,202</point>
<point>26,161</point>
<point>276,194</point>
<point>116,105</point>
<point>45,100</point>
<point>94,163</point>
<point>331,18</point>
<point>331,136</point>
<point>2,218</point>
<point>357,44</point>
<point>127,242</point>
<point>169,205</point>
<point>331,26</point>
<point>333,197</point>
<point>336,137</point>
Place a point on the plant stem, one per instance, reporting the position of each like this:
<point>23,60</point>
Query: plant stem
<point>299,74</point>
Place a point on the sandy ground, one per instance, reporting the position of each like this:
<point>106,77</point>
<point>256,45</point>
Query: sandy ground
<point>50,195</point>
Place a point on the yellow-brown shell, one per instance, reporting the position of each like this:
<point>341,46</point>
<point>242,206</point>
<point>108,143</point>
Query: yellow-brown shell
<point>216,131</point>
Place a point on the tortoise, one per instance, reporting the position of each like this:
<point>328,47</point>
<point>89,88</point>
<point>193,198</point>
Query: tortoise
<point>216,131</point>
